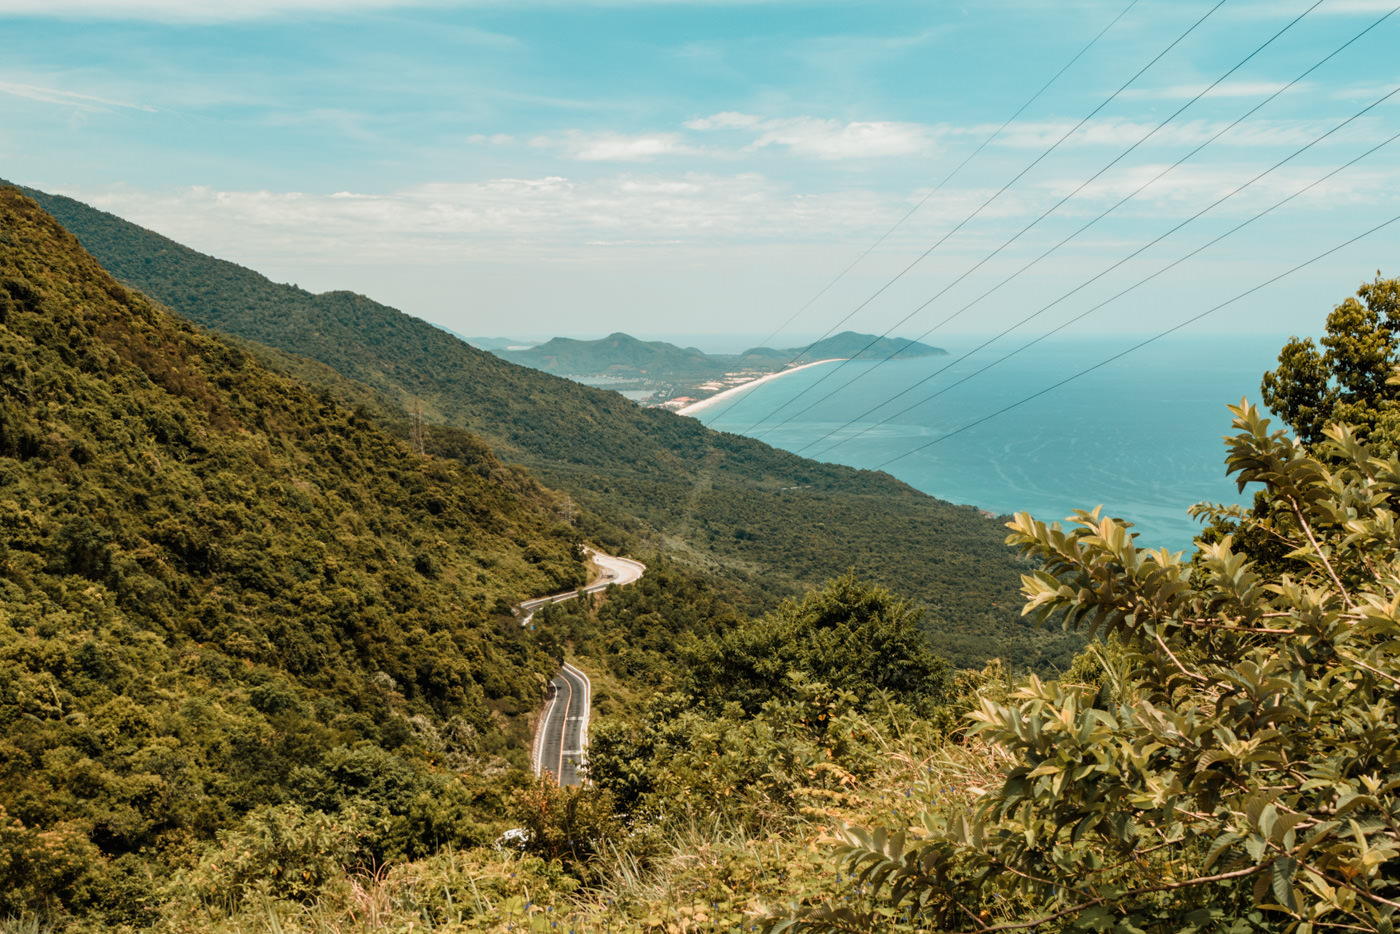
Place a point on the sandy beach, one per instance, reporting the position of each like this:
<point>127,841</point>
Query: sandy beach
<point>721,396</point>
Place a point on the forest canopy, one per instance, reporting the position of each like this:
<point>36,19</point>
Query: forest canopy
<point>768,524</point>
<point>220,592</point>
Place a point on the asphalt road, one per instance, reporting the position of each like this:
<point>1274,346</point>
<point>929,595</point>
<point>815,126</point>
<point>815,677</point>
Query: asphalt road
<point>619,571</point>
<point>563,732</point>
<point>562,735</point>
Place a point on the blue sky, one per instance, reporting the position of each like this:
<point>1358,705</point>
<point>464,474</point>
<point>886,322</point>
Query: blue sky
<point>695,170</point>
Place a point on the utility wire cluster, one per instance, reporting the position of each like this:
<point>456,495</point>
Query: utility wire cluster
<point>859,425</point>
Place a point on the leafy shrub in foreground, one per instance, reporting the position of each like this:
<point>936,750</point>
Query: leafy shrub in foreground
<point>1246,776</point>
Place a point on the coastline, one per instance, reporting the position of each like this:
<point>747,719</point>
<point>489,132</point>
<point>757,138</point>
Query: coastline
<point>720,396</point>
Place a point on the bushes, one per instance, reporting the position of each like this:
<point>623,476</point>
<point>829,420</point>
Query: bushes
<point>571,825</point>
<point>851,635</point>
<point>1238,770</point>
<point>283,851</point>
<point>778,715</point>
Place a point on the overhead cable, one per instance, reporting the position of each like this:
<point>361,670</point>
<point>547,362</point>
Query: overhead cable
<point>1221,132</point>
<point>929,194</point>
<point>1138,346</point>
<point>1076,318</point>
<point>1044,214</point>
<point>1019,175</point>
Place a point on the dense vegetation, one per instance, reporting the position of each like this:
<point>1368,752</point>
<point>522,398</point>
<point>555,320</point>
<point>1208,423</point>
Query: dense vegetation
<point>220,593</point>
<point>767,522</point>
<point>256,675</point>
<point>1233,764</point>
<point>1351,379</point>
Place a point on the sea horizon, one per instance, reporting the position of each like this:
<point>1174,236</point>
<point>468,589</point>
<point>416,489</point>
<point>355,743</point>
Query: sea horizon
<point>1140,435</point>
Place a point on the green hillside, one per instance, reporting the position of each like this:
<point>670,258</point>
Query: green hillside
<point>765,520</point>
<point>220,591</point>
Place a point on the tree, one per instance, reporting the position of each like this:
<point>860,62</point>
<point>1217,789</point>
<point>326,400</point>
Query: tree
<point>1245,772</point>
<point>1350,379</point>
<point>852,635</point>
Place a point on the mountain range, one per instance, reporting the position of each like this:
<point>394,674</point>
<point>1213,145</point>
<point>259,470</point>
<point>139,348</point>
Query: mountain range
<point>759,521</point>
<point>658,371</point>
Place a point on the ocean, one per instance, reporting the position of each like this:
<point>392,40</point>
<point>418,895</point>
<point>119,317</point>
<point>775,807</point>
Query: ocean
<point>1140,435</point>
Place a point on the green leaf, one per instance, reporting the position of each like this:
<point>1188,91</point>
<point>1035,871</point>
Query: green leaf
<point>1282,881</point>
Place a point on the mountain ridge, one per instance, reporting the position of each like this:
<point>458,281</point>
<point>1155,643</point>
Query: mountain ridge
<point>659,372</point>
<point>762,520</point>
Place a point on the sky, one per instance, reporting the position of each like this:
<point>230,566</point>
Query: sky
<point>721,173</point>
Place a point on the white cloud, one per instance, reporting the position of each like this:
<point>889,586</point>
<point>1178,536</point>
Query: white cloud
<point>727,120</point>
<point>1039,135</point>
<point>69,98</point>
<point>1226,89</point>
<point>829,139</point>
<point>824,138</point>
<point>216,11</point>
<point>1357,7</point>
<point>443,221</point>
<point>196,11</point>
<point>615,147</point>
<point>1187,189</point>
<point>1363,92</point>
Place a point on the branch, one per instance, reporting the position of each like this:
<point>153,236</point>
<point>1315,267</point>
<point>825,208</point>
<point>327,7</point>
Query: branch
<point>1177,662</point>
<point>1098,900</point>
<point>1365,667</point>
<point>1307,530</point>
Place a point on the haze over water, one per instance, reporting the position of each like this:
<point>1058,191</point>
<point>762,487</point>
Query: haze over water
<point>1141,435</point>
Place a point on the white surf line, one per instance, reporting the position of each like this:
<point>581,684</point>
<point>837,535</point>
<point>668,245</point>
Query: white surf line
<point>733,390</point>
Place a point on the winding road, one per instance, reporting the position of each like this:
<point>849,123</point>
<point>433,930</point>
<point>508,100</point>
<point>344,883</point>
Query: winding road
<point>562,734</point>
<point>619,571</point>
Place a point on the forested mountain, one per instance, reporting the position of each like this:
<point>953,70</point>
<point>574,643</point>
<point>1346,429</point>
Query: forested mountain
<point>616,354</point>
<point>221,591</point>
<point>764,520</point>
<point>624,355</point>
<point>848,344</point>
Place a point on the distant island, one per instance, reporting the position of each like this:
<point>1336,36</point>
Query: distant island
<point>657,373</point>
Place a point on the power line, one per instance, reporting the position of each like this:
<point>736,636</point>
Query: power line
<point>1093,279</point>
<point>933,191</point>
<point>1154,338</point>
<point>1236,122</point>
<point>1004,188</point>
<point>1016,236</point>
<point>1076,318</point>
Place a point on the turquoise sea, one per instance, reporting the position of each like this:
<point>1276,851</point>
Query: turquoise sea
<point>1140,435</point>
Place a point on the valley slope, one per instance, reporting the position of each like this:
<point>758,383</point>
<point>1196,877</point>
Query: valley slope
<point>222,592</point>
<point>768,523</point>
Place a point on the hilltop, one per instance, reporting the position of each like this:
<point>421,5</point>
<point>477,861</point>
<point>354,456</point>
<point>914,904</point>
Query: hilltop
<point>849,345</point>
<point>618,353</point>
